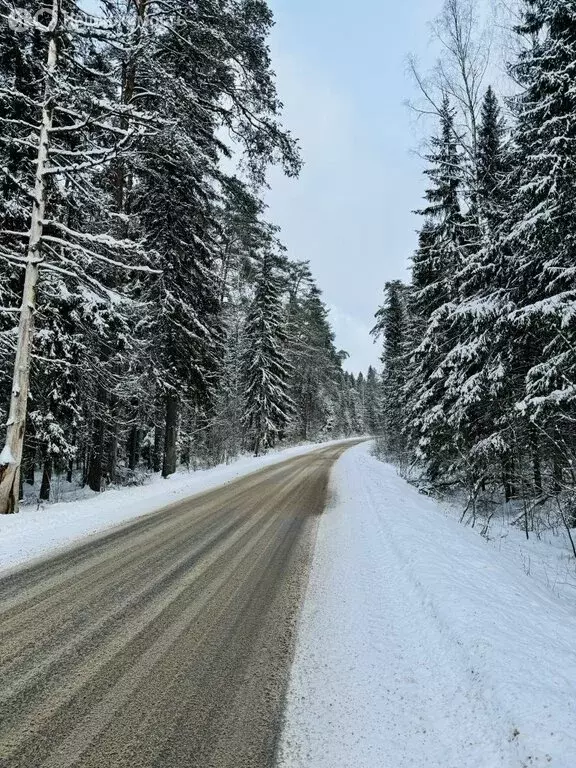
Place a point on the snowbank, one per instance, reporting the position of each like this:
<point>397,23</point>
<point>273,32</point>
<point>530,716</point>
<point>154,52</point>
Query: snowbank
<point>35,532</point>
<point>546,557</point>
<point>422,645</point>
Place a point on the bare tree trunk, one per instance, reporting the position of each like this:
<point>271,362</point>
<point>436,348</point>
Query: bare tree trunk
<point>133,447</point>
<point>170,435</point>
<point>157,451</point>
<point>536,465</point>
<point>28,465</point>
<point>46,479</point>
<point>556,473</point>
<point>96,455</point>
<point>507,477</point>
<point>95,459</point>
<point>11,456</point>
<point>112,457</point>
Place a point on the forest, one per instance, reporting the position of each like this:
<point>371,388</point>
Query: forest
<point>481,343</point>
<point>150,317</point>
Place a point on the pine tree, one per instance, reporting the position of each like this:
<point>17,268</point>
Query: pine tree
<point>245,236</point>
<point>146,257</point>
<point>180,181</point>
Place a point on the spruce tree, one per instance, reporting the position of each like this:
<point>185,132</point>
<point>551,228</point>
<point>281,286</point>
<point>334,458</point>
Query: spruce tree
<point>267,374</point>
<point>392,325</point>
<point>373,403</point>
<point>441,254</point>
<point>542,238</point>
<point>312,354</point>
<point>474,400</point>
<point>491,157</point>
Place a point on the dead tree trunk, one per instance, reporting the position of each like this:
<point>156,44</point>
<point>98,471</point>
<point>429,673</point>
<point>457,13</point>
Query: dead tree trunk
<point>11,455</point>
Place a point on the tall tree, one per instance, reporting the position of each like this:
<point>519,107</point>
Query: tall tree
<point>312,354</point>
<point>267,373</point>
<point>542,237</point>
<point>72,129</point>
<point>439,258</point>
<point>392,325</point>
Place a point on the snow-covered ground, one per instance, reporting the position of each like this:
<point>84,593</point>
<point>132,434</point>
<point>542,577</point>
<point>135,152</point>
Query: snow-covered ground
<point>546,557</point>
<point>421,644</point>
<point>37,531</point>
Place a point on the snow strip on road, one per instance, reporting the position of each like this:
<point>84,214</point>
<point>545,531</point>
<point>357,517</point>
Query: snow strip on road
<point>420,646</point>
<point>38,531</point>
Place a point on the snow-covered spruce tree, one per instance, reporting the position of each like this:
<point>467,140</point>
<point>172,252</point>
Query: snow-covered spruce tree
<point>440,252</point>
<point>491,159</point>
<point>475,401</point>
<point>268,406</point>
<point>356,405</point>
<point>373,403</point>
<point>72,126</point>
<point>542,236</point>
<point>392,325</point>
<point>361,395</point>
<point>312,354</point>
<point>343,417</point>
<point>212,71</point>
<point>435,265</point>
<point>184,320</point>
<point>244,236</point>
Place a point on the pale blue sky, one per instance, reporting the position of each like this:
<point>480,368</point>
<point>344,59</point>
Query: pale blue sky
<point>342,76</point>
<point>341,72</point>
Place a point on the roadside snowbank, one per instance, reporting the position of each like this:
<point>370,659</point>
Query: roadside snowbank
<point>546,557</point>
<point>421,645</point>
<point>35,532</point>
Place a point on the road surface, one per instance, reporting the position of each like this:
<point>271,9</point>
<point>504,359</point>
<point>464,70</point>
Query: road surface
<point>166,643</point>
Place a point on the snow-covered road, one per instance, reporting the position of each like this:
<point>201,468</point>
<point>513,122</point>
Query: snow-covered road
<point>420,645</point>
<point>41,530</point>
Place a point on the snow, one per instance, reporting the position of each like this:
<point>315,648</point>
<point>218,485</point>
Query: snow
<point>6,456</point>
<point>420,644</point>
<point>39,531</point>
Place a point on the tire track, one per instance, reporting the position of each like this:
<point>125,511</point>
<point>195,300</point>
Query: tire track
<point>166,642</point>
